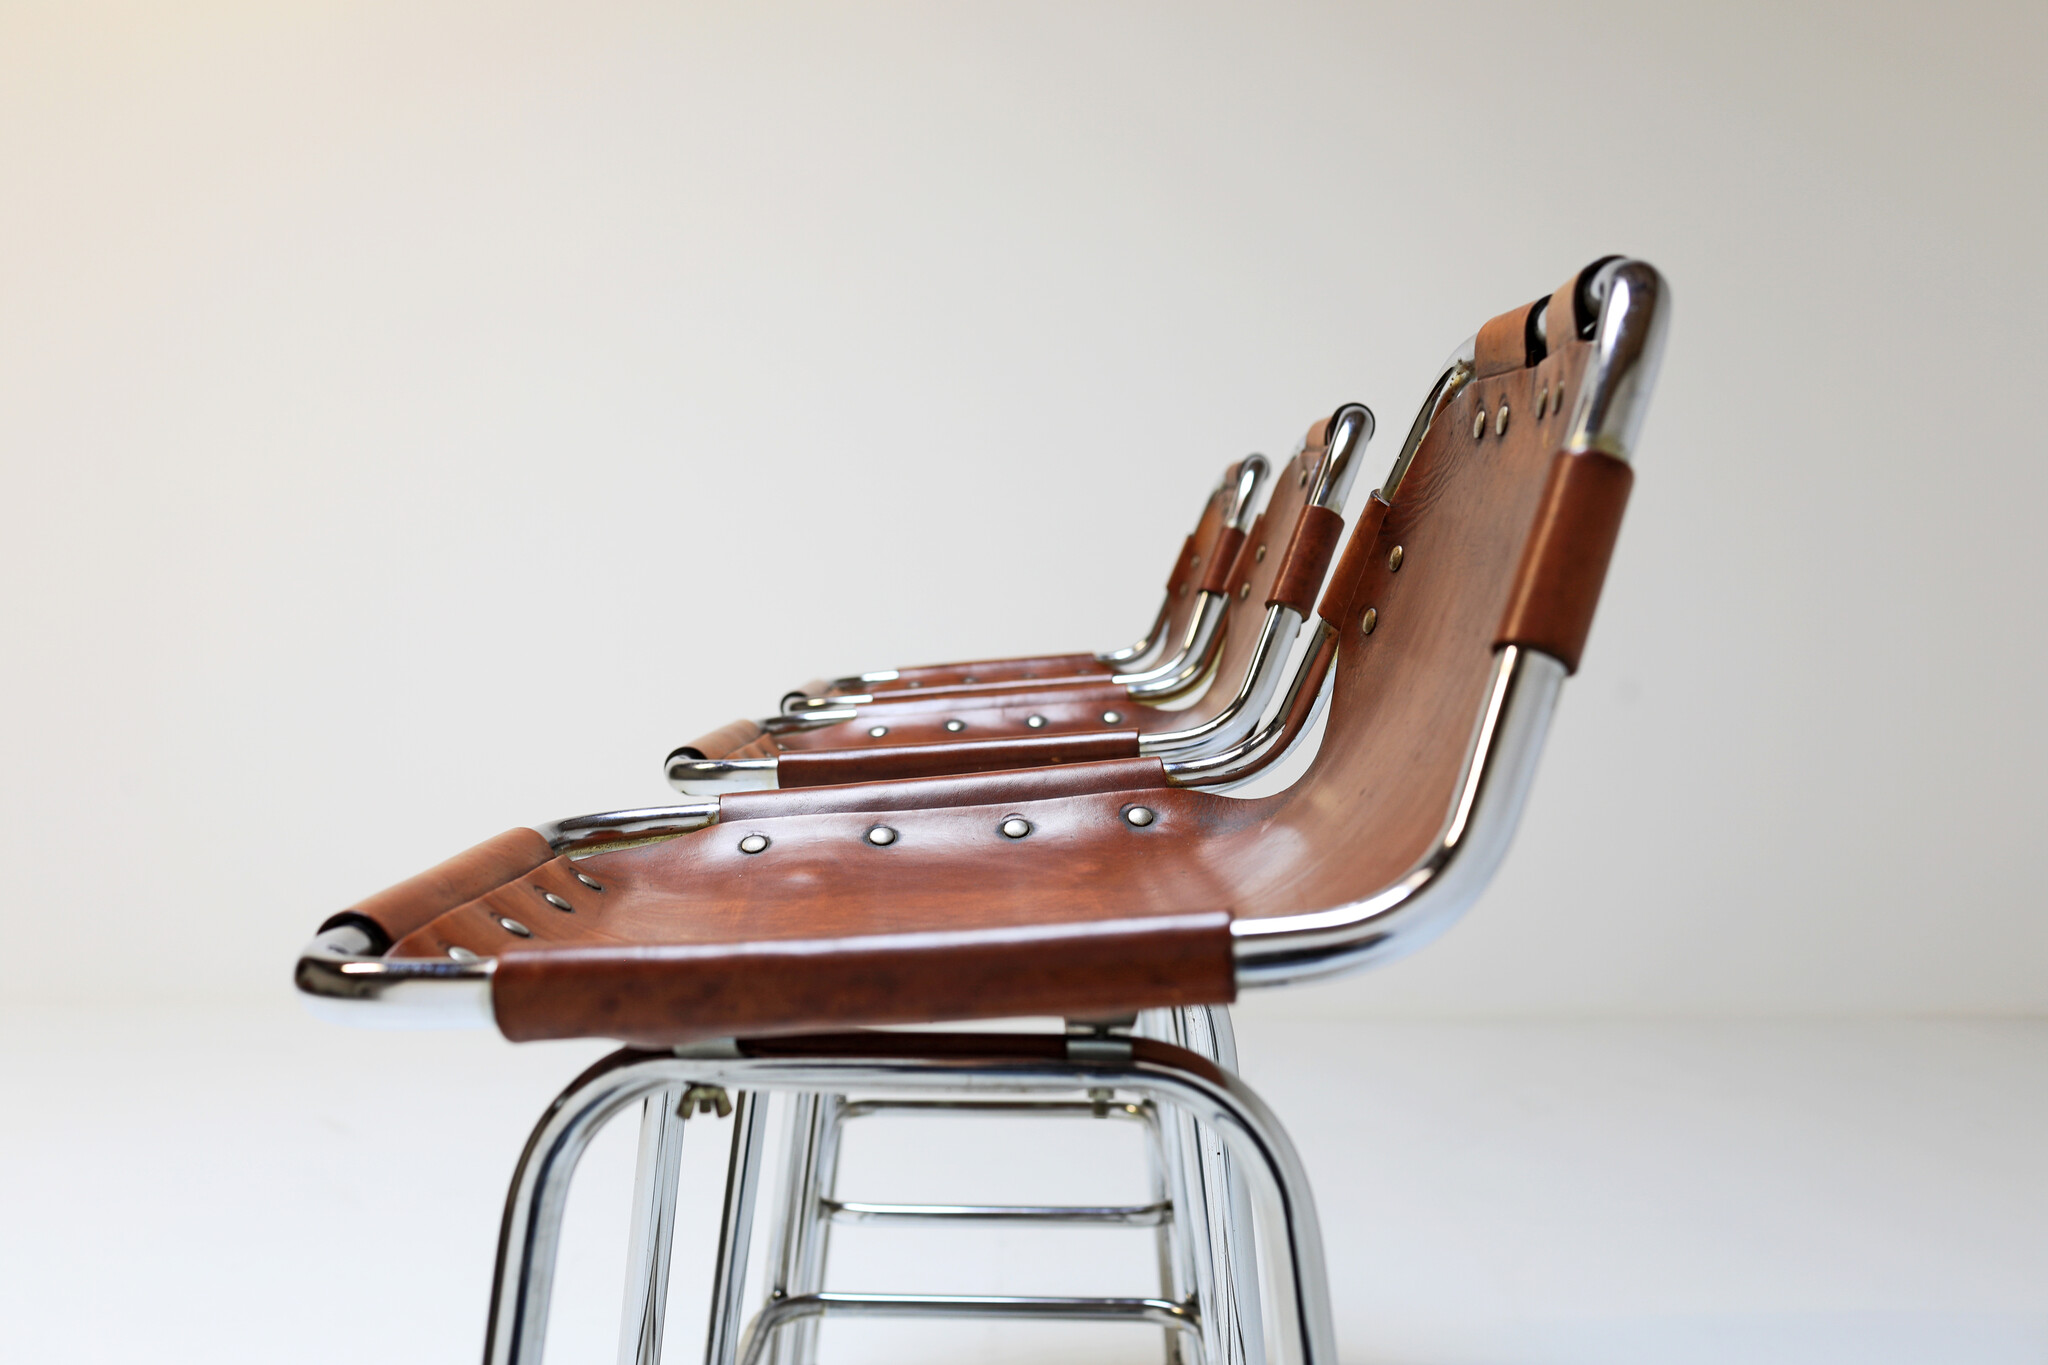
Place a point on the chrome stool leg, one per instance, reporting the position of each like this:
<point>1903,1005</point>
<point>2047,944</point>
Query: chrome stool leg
<point>736,1227</point>
<point>799,1257</point>
<point>653,1229</point>
<point>1172,1078</point>
<point>1207,1032</point>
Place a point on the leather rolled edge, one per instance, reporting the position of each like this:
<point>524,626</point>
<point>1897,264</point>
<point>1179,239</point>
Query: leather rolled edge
<point>424,897</point>
<point>1564,561</point>
<point>662,995</point>
<point>1503,344</point>
<point>1307,559</point>
<point>1222,560</point>
<point>1361,552</point>
<point>1182,580</point>
<point>883,763</point>
<point>735,739</point>
<point>1022,669</point>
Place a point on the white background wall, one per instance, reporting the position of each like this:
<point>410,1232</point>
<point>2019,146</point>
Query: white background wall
<point>417,418</point>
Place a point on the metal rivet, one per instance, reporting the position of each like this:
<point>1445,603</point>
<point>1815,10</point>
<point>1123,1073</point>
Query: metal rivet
<point>1183,590</point>
<point>970,678</point>
<point>552,899</point>
<point>1500,422</point>
<point>1035,722</point>
<point>1479,424</point>
<point>588,881</point>
<point>753,843</point>
<point>461,954</point>
<point>515,927</point>
<point>1016,827</point>
<point>914,683</point>
<point>1301,480</point>
<point>1139,816</point>
<point>1259,555</point>
<point>1112,717</point>
<point>1244,591</point>
<point>1542,401</point>
<point>954,727</point>
<point>881,836</point>
<point>877,731</point>
<point>1370,621</point>
<point>1394,559</point>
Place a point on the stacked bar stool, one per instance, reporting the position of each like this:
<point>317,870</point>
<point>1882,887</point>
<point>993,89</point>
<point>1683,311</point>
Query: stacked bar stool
<point>763,942</point>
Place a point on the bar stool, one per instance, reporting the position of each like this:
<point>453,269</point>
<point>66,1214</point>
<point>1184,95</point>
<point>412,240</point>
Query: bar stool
<point>764,941</point>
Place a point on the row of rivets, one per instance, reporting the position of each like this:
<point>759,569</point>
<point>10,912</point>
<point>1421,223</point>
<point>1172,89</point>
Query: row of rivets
<point>552,899</point>
<point>881,836</point>
<point>514,926</point>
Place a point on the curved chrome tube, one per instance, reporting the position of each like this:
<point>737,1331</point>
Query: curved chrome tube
<point>1457,373</point>
<point>343,983</point>
<point>606,829</point>
<point>1190,664</point>
<point>1246,759</point>
<point>1508,738</point>
<point>1137,654</point>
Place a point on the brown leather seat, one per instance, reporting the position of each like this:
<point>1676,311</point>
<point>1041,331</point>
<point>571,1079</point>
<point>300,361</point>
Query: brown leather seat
<point>909,901</point>
<point>1024,715</point>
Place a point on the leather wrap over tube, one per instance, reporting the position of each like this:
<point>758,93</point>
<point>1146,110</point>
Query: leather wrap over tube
<point>660,995</point>
<point>1341,602</point>
<point>1503,344</point>
<point>1221,563</point>
<point>1564,560</point>
<point>886,763</point>
<point>735,739</point>
<point>1307,559</point>
<point>419,899</point>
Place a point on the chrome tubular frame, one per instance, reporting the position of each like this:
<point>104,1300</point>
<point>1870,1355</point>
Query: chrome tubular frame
<point>1508,735</point>
<point>1138,655</point>
<point>1189,665</point>
<point>1221,1102</point>
<point>1245,760</point>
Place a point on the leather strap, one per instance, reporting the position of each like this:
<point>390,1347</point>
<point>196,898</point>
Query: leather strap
<point>735,739</point>
<point>1564,560</point>
<point>1503,344</point>
<point>419,899</point>
<point>661,995</point>
<point>1182,580</point>
<point>1307,559</point>
<point>895,762</point>
<point>1340,605</point>
<point>1223,561</point>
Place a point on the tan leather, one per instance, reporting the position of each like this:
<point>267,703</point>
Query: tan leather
<point>1339,605</point>
<point>1503,343</point>
<point>419,899</point>
<point>1307,559</point>
<point>636,992</point>
<point>893,762</point>
<point>1217,579</point>
<point>735,739</point>
<point>1565,560</point>
<point>1404,700</point>
<point>934,793</point>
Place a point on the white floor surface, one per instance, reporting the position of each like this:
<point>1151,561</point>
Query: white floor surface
<point>254,1186</point>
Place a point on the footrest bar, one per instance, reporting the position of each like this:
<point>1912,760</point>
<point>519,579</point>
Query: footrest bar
<point>1109,1215</point>
<point>782,1312</point>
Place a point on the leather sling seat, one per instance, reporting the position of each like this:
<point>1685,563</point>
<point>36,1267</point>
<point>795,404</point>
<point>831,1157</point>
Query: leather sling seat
<point>987,725</point>
<point>1102,888</point>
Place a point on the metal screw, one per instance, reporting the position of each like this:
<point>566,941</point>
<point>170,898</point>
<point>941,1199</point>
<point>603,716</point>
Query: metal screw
<point>1500,421</point>
<point>588,881</point>
<point>461,954</point>
<point>1112,717</point>
<point>704,1099</point>
<point>1301,480</point>
<point>1394,560</point>
<point>1016,827</point>
<point>753,843</point>
<point>1479,424</point>
<point>1139,816</point>
<point>1244,591</point>
<point>552,899</point>
<point>954,727</point>
<point>1370,621</point>
<point>1259,555</point>
<point>881,836</point>
<point>1542,401</point>
<point>877,731</point>
<point>1035,722</point>
<point>514,926</point>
